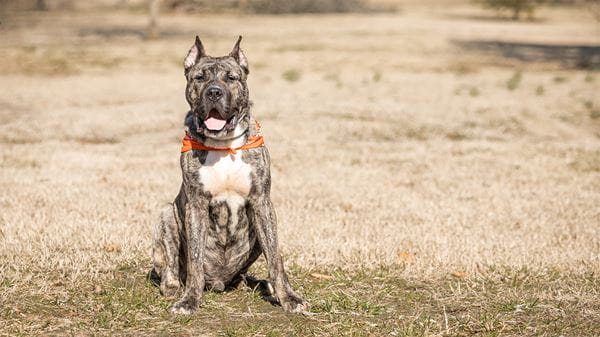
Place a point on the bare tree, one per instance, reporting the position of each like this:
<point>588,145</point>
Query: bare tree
<point>152,32</point>
<point>517,7</point>
<point>594,7</point>
<point>41,5</point>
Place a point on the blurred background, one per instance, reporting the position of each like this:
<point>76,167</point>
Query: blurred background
<point>398,129</point>
<point>430,139</point>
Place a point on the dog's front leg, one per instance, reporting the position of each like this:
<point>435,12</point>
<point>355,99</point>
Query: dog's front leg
<point>264,220</point>
<point>196,225</point>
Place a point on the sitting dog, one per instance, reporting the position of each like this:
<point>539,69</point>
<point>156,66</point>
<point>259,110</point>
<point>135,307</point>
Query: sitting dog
<point>222,219</point>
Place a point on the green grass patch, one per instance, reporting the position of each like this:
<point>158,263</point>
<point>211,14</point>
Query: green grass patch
<point>379,302</point>
<point>291,75</point>
<point>53,61</point>
<point>473,92</point>
<point>309,47</point>
<point>589,78</point>
<point>376,76</point>
<point>540,90</point>
<point>514,81</point>
<point>559,79</point>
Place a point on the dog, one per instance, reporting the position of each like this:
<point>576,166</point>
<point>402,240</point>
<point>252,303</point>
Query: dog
<point>222,219</point>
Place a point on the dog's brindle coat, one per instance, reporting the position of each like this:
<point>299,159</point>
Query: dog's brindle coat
<point>222,219</point>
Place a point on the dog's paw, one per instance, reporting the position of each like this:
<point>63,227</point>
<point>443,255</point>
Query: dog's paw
<point>185,306</point>
<point>169,289</point>
<point>294,303</point>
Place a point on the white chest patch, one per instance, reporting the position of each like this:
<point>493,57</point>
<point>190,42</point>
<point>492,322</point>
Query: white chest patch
<point>226,176</point>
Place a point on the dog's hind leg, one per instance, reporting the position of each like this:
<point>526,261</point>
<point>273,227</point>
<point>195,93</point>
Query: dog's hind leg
<point>165,250</point>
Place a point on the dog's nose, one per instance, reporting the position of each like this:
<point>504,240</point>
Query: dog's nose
<point>214,93</point>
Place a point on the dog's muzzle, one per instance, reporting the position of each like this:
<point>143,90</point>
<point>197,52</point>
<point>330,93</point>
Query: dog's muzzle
<point>214,123</point>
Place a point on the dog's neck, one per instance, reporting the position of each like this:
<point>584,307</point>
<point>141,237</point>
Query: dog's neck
<point>237,137</point>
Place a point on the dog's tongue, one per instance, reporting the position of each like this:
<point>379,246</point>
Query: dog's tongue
<point>214,124</point>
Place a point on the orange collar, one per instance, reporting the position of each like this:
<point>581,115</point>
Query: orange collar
<point>188,143</point>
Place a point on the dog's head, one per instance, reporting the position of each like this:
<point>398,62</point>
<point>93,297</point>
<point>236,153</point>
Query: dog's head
<point>216,91</point>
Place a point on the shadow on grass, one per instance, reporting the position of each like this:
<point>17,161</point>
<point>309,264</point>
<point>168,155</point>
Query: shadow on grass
<point>570,56</point>
<point>495,17</point>
<point>381,302</point>
<point>261,287</point>
<point>110,33</point>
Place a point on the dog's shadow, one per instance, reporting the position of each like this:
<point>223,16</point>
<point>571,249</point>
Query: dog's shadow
<point>262,287</point>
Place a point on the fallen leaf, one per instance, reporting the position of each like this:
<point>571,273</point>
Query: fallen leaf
<point>405,257</point>
<point>321,276</point>
<point>113,247</point>
<point>459,274</point>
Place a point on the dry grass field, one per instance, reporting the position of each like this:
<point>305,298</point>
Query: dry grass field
<point>436,171</point>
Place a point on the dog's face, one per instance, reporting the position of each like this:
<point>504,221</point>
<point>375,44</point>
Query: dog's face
<point>216,90</point>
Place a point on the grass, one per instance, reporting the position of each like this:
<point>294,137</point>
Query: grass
<point>417,194</point>
<point>473,92</point>
<point>514,81</point>
<point>586,161</point>
<point>308,47</point>
<point>594,111</point>
<point>96,139</point>
<point>463,68</point>
<point>55,61</point>
<point>376,76</point>
<point>539,90</point>
<point>310,6</point>
<point>291,75</point>
<point>559,79</point>
<point>500,301</point>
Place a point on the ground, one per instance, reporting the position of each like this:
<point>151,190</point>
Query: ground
<point>435,171</point>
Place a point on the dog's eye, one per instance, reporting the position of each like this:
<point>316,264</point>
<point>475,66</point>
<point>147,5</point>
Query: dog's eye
<point>199,77</point>
<point>232,77</point>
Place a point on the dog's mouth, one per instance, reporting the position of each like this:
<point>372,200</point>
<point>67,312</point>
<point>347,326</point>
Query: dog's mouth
<point>214,121</point>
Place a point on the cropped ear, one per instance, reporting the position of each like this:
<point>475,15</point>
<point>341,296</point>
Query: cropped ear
<point>239,56</point>
<point>195,53</point>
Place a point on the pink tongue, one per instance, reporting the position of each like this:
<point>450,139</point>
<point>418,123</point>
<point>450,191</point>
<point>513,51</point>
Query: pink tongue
<point>214,123</point>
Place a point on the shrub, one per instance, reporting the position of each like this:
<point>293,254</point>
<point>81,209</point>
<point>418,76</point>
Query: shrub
<point>305,6</point>
<point>514,81</point>
<point>277,6</point>
<point>291,75</point>
<point>516,7</point>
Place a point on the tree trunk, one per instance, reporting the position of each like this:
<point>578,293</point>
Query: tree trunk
<point>152,32</point>
<point>516,12</point>
<point>41,5</point>
<point>243,6</point>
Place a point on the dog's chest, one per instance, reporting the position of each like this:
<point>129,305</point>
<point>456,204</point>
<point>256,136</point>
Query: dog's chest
<point>229,241</point>
<point>225,176</point>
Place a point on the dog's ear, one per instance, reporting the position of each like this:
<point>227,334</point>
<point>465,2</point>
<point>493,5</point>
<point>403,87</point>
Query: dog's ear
<point>239,56</point>
<point>195,53</point>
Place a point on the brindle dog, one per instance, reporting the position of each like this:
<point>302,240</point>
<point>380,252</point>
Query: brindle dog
<point>222,220</point>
